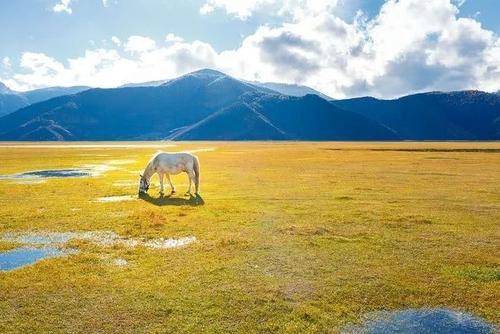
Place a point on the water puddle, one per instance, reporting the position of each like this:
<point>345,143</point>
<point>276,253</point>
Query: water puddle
<point>56,173</point>
<point>23,256</point>
<point>439,320</point>
<point>44,245</point>
<point>115,199</point>
<point>87,170</point>
<point>39,176</point>
<point>102,238</point>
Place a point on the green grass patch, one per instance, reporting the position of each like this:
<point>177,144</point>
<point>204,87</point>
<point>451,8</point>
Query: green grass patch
<point>476,273</point>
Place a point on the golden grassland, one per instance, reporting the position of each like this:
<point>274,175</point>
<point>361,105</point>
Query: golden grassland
<point>292,237</point>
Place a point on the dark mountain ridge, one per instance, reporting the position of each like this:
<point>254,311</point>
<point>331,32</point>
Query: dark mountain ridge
<point>42,94</point>
<point>461,115</point>
<point>201,105</point>
<point>209,105</point>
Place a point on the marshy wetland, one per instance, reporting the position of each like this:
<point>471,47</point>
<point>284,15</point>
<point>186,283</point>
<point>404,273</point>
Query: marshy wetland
<point>287,237</point>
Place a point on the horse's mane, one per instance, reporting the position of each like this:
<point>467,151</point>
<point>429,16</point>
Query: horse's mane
<point>150,162</point>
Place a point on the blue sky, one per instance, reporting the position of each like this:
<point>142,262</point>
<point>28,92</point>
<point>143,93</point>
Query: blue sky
<point>354,51</point>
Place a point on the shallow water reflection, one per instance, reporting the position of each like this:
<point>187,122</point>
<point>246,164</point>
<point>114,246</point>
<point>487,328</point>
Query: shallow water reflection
<point>56,173</point>
<point>22,256</point>
<point>439,320</point>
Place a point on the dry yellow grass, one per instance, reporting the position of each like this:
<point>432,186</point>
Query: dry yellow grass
<point>293,237</point>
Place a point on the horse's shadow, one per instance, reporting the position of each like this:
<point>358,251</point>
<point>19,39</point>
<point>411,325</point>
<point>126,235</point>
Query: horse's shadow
<point>173,201</point>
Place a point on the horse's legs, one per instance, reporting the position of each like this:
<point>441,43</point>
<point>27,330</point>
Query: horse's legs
<point>171,184</point>
<point>160,175</point>
<point>196,186</point>
<point>191,178</point>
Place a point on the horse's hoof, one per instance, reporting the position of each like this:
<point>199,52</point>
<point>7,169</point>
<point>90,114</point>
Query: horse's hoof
<point>173,192</point>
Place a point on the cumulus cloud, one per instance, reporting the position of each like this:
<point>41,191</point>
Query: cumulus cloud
<point>116,41</point>
<point>173,38</point>
<point>409,46</point>
<point>63,6</point>
<point>111,68</point>
<point>139,44</point>
<point>242,9</point>
<point>6,63</point>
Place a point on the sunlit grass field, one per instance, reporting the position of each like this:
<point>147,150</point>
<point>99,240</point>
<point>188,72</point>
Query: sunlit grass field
<point>292,237</point>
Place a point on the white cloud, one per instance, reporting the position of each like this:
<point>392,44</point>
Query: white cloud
<point>242,9</point>
<point>6,63</point>
<point>206,9</point>
<point>173,38</point>
<point>116,40</point>
<point>109,68</point>
<point>63,6</point>
<point>410,46</point>
<point>139,44</point>
<point>39,63</point>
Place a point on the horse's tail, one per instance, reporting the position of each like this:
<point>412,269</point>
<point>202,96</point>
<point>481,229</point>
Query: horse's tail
<point>196,168</point>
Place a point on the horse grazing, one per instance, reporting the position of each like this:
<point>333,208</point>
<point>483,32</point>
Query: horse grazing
<point>166,164</point>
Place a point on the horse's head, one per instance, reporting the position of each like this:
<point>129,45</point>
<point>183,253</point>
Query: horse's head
<point>143,185</point>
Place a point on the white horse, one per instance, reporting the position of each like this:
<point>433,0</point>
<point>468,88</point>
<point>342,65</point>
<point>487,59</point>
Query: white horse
<point>166,164</point>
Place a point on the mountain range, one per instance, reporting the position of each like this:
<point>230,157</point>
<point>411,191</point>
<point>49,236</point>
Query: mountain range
<point>463,115</point>
<point>285,89</point>
<point>209,105</point>
<point>291,90</point>
<point>11,101</point>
